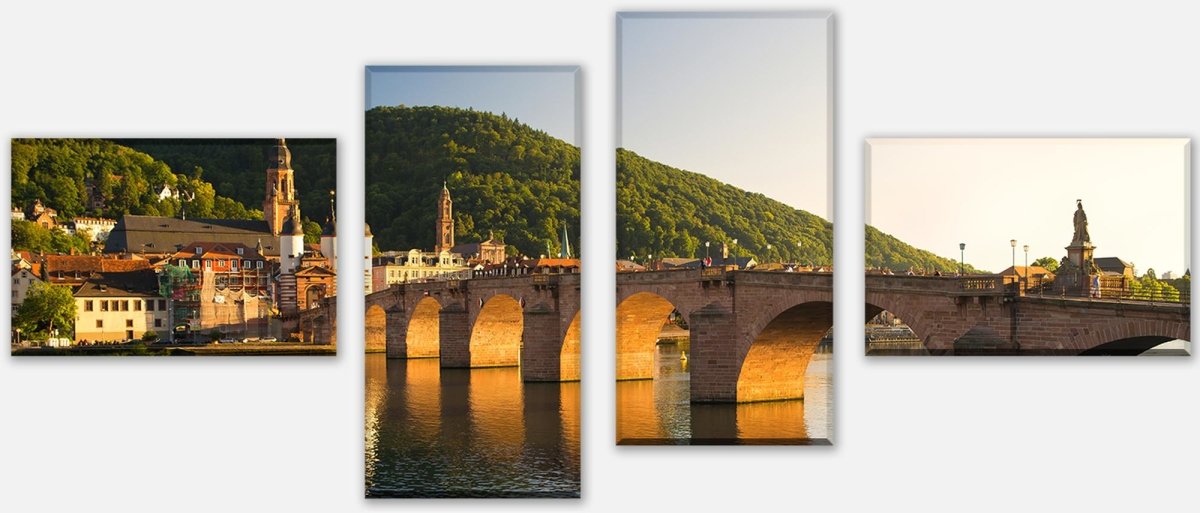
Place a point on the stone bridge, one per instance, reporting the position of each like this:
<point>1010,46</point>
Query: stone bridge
<point>752,333</point>
<point>990,315</point>
<point>531,321</point>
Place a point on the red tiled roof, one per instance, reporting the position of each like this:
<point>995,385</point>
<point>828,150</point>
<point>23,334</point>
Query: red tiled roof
<point>93,264</point>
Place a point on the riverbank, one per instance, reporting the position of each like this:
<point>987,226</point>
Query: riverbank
<point>205,350</point>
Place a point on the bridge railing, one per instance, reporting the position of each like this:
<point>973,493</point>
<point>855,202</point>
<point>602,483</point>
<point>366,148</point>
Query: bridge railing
<point>985,283</point>
<point>1143,293</point>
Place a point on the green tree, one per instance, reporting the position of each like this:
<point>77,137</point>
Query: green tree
<point>46,308</point>
<point>312,231</point>
<point>30,237</point>
<point>1047,263</point>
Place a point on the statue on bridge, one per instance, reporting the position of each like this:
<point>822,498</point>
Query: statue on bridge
<point>1081,231</point>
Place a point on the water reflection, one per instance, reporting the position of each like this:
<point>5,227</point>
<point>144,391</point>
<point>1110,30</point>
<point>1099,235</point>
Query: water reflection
<point>658,411</point>
<point>435,432</point>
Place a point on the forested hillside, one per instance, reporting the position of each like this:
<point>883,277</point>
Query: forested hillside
<point>236,167</point>
<point>504,177</point>
<point>669,212</point>
<point>59,172</point>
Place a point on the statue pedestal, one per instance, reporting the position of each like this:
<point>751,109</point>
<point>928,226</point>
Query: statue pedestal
<point>1074,275</point>
<point>1080,253</point>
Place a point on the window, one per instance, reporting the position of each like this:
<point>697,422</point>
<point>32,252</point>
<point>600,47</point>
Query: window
<point>259,264</point>
<point>221,263</point>
<point>99,323</point>
<point>137,305</point>
<point>241,251</point>
<point>103,305</point>
<point>14,294</point>
<point>195,264</point>
<point>162,305</point>
<point>16,281</point>
<point>88,306</point>
<point>157,323</point>
<point>128,323</point>
<point>124,305</point>
<point>149,305</point>
<point>199,250</point>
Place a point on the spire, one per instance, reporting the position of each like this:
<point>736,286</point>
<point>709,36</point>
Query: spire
<point>330,228</point>
<point>565,251</point>
<point>259,247</point>
<point>297,224</point>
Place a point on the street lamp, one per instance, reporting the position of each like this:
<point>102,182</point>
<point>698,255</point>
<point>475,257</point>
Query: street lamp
<point>1027,268</point>
<point>962,249</point>
<point>1013,243</point>
<point>706,244</point>
<point>768,251</point>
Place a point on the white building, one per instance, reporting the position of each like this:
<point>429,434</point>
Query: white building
<point>22,280</point>
<point>97,228</point>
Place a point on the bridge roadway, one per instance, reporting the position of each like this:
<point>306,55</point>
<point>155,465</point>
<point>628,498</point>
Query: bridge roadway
<point>752,333</point>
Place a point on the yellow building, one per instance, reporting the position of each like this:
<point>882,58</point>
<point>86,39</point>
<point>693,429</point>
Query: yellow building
<point>120,306</point>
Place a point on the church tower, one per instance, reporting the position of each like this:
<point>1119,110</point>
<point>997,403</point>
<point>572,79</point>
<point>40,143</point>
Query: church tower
<point>445,222</point>
<point>280,188</point>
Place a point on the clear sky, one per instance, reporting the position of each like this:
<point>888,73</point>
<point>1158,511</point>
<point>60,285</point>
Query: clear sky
<point>739,98</point>
<point>542,97</point>
<point>936,193</point>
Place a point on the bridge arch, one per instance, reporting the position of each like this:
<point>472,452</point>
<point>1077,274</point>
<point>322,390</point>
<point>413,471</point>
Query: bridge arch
<point>640,320</point>
<point>422,338</point>
<point>495,339</point>
<point>1129,337</point>
<point>376,329</point>
<point>779,349</point>
<point>568,362</point>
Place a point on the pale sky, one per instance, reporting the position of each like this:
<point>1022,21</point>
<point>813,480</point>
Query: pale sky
<point>742,98</point>
<point>542,97</point>
<point>936,193</point>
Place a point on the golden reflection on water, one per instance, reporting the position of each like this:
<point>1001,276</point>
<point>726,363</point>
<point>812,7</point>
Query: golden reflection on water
<point>434,432</point>
<point>659,410</point>
<point>497,411</point>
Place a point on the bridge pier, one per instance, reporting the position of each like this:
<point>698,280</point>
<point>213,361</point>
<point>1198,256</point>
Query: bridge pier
<point>715,362</point>
<point>454,333</point>
<point>396,333</point>
<point>541,345</point>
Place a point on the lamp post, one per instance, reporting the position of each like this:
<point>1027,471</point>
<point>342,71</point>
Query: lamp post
<point>768,251</point>
<point>962,250</point>
<point>706,245</point>
<point>1027,268</point>
<point>1013,243</point>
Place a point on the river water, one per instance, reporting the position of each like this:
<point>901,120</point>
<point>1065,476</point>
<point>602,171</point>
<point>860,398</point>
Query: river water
<point>658,411</point>
<point>433,432</point>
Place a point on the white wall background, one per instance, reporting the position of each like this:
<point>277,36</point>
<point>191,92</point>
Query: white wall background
<point>287,434</point>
